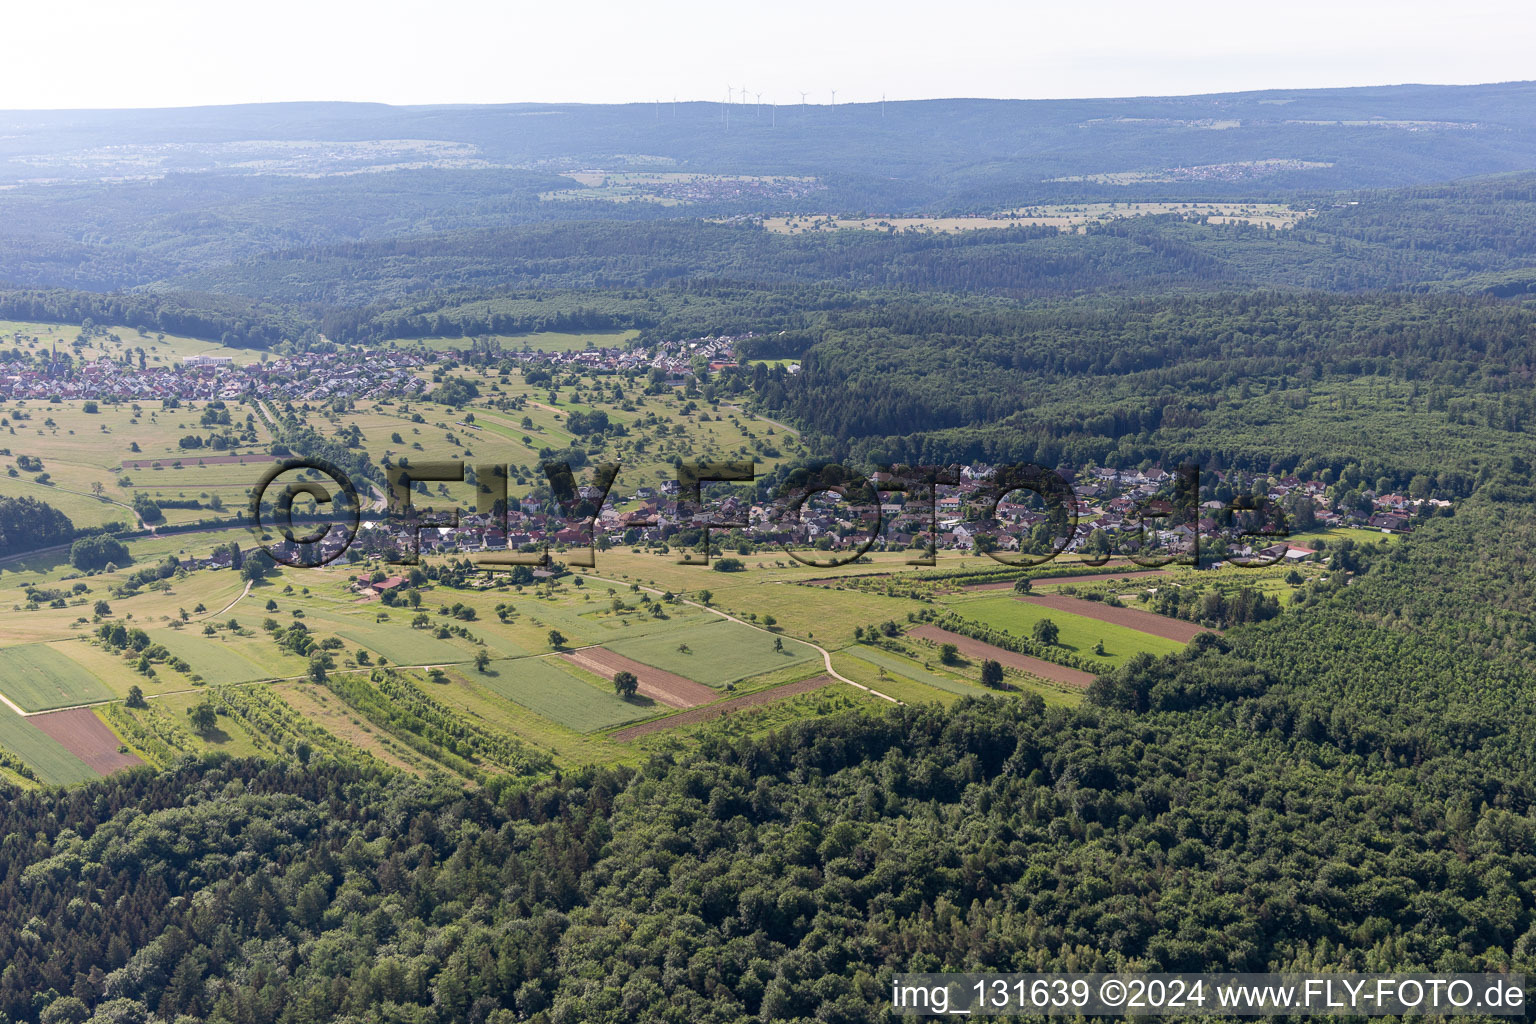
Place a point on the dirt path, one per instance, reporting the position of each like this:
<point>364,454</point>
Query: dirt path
<point>110,501</point>
<point>80,732</point>
<point>1131,618</point>
<point>791,431</point>
<point>221,611</point>
<point>972,648</point>
<point>723,708</point>
<point>667,687</point>
<point>826,656</point>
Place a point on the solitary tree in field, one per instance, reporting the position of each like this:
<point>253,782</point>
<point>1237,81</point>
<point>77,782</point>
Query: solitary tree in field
<point>556,638</point>
<point>1046,631</point>
<point>778,644</point>
<point>991,674</point>
<point>482,660</point>
<point>1021,585</point>
<point>204,717</point>
<point>625,684</point>
<point>136,698</point>
<point>949,653</point>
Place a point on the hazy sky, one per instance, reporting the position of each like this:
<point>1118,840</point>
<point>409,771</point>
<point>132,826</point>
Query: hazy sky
<point>93,53</point>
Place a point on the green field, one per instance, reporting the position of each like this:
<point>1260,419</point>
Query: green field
<point>1078,634</point>
<point>540,685</point>
<point>221,661</point>
<point>903,667</point>
<point>405,646</point>
<point>42,752</point>
<point>38,678</point>
<point>719,652</point>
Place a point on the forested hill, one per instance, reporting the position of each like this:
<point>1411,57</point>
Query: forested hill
<point>1405,383</point>
<point>110,200</point>
<point>1340,789</point>
<point>960,150</point>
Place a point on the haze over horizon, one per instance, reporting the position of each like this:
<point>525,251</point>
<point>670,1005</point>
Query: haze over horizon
<point>172,53</point>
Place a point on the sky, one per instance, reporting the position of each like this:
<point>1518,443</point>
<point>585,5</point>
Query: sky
<point>157,53</point>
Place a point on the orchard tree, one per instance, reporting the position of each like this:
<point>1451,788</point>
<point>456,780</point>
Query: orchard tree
<point>204,717</point>
<point>992,674</point>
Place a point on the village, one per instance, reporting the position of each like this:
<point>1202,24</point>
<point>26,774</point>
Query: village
<point>1117,512</point>
<point>304,376</point>
<point>350,373</point>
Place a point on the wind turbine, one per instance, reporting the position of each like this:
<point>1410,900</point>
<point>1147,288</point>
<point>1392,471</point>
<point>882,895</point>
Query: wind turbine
<point>882,106</point>
<point>834,97</point>
<point>759,104</point>
<point>674,106</point>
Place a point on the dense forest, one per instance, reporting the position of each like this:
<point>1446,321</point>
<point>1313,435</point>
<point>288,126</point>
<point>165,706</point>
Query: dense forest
<point>27,524</point>
<point>1478,236</point>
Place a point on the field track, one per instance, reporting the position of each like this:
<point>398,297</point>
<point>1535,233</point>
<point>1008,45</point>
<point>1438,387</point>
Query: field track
<point>1052,581</point>
<point>1023,662</point>
<point>1130,618</point>
<point>666,687</point>
<point>83,734</point>
<point>194,460</point>
<point>725,707</point>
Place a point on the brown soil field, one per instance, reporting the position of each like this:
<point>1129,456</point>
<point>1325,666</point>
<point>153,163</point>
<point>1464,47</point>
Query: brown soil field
<point>1053,581</point>
<point>666,687</point>
<point>80,732</point>
<point>1131,618</point>
<point>725,707</point>
<point>1023,662</point>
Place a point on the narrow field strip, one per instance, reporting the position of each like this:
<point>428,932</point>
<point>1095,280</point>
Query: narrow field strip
<point>541,685</point>
<point>666,687</point>
<point>80,732</point>
<point>900,666</point>
<point>1056,581</point>
<point>724,707</point>
<point>1131,618</point>
<point>1023,662</point>
<point>39,678</point>
<point>46,756</point>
